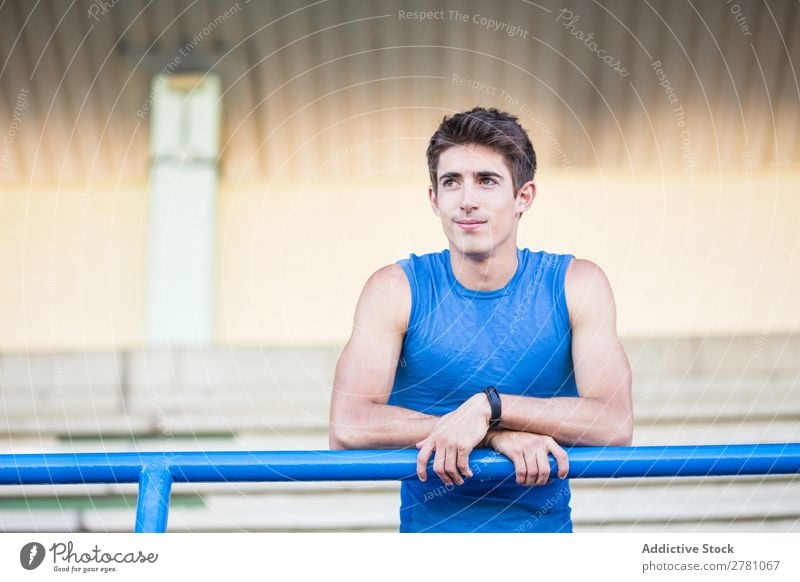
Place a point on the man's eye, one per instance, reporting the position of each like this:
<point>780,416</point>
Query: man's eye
<point>488,181</point>
<point>448,183</point>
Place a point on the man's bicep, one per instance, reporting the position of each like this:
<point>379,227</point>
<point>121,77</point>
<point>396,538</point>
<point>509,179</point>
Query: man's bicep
<point>601,367</point>
<point>366,367</point>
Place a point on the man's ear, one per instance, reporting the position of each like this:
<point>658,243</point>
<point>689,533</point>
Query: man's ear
<point>525,196</point>
<point>434,201</point>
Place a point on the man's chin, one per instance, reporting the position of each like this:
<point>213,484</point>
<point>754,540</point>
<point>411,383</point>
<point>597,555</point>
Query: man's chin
<point>472,249</point>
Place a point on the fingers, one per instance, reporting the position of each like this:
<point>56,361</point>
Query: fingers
<point>543,467</point>
<point>520,468</point>
<point>450,464</point>
<point>529,453</point>
<point>439,461</point>
<point>451,441</point>
<point>463,462</point>
<point>422,460</point>
<point>561,458</point>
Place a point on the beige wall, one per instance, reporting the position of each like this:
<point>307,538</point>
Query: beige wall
<point>71,258</point>
<point>720,255</point>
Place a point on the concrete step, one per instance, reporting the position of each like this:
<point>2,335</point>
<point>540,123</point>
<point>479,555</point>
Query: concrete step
<point>115,424</point>
<point>712,398</point>
<point>729,356</point>
<point>759,525</point>
<point>78,425</point>
<point>688,432</point>
<point>278,512</point>
<point>42,521</point>
<point>688,500</point>
<point>59,373</point>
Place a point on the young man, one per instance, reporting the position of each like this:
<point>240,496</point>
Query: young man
<point>433,332</point>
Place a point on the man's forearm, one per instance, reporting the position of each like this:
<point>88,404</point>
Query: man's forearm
<point>380,426</point>
<point>569,420</point>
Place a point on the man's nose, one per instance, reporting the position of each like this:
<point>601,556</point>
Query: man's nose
<point>469,197</point>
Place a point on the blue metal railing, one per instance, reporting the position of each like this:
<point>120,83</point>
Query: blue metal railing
<point>156,471</point>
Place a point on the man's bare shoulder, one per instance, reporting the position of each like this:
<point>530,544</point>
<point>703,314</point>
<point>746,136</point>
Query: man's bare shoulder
<point>387,297</point>
<point>392,275</point>
<point>588,292</point>
<point>583,271</point>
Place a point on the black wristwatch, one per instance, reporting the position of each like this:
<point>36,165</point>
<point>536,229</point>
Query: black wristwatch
<point>494,402</point>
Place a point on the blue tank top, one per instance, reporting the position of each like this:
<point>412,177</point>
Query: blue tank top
<point>458,341</point>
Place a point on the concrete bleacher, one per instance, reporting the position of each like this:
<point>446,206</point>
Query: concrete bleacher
<point>686,391</point>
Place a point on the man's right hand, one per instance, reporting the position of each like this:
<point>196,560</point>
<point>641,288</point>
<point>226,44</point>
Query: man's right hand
<point>452,439</point>
<point>528,452</point>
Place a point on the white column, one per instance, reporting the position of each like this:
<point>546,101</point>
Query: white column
<point>184,141</point>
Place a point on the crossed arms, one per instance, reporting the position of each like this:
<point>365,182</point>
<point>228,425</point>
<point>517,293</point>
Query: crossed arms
<point>531,427</point>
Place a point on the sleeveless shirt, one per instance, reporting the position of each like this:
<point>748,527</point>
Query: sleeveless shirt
<point>458,341</point>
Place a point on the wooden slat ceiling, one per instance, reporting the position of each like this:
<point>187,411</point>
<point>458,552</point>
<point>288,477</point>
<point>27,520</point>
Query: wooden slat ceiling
<point>305,83</point>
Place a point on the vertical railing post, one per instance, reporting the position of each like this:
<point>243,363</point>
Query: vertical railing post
<point>152,509</point>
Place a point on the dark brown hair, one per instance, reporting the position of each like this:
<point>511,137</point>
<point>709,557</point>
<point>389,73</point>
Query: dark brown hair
<point>488,127</point>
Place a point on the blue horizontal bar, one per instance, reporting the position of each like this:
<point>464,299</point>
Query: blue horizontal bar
<point>387,465</point>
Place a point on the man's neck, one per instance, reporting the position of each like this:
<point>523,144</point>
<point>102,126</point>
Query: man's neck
<point>485,273</point>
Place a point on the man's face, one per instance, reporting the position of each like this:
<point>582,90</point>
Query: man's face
<point>475,199</point>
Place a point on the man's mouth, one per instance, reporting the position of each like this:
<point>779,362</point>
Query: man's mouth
<point>469,224</point>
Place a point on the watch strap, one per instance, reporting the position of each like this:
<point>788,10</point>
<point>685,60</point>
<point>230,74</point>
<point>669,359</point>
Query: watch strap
<point>496,405</point>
